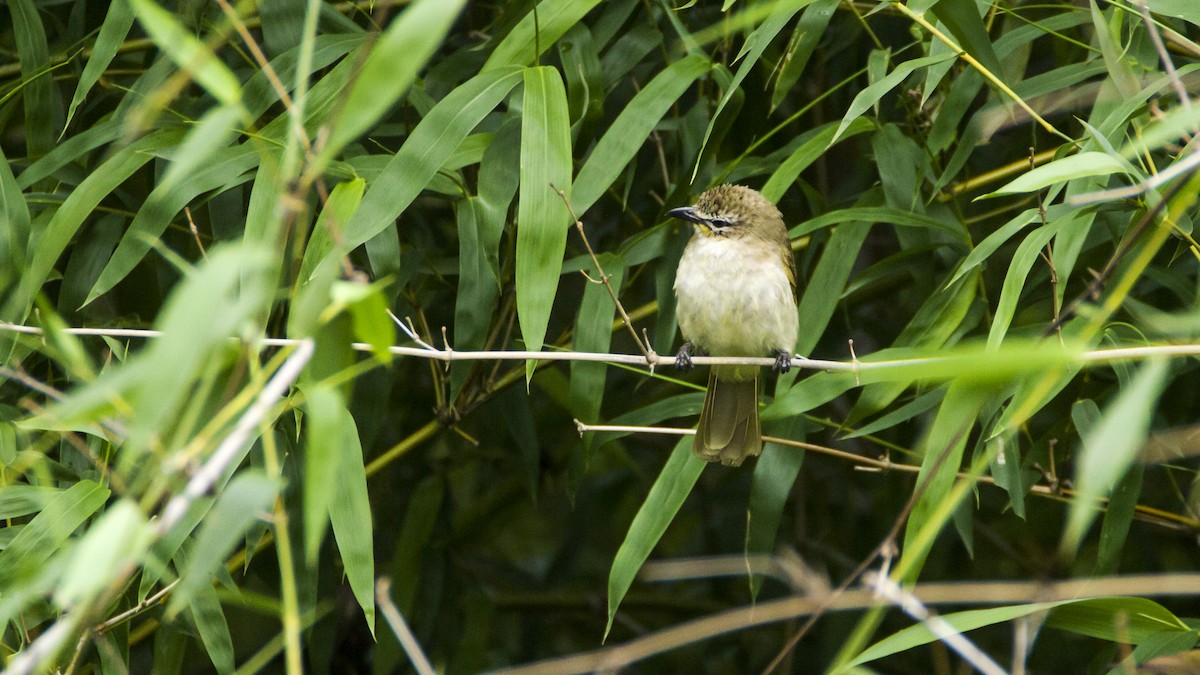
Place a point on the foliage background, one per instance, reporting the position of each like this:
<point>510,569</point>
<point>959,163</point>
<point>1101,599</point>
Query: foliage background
<point>400,156</point>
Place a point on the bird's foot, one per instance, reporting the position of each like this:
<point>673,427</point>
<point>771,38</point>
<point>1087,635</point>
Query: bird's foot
<point>783,361</point>
<point>683,358</point>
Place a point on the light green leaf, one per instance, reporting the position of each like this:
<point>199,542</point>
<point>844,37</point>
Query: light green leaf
<point>189,53</point>
<point>117,540</point>
<point>673,486</point>
<point>538,30</point>
<point>943,451</point>
<point>542,217</point>
<point>350,515</point>
<point>391,65</point>
<point>628,132</point>
<point>246,499</point>
<point>1062,170</point>
<point>116,26</point>
<point>876,90</point>
<point>1111,447</point>
<point>433,140</point>
<point>41,537</point>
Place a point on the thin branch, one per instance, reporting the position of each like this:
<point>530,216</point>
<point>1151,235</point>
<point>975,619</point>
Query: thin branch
<point>774,611</point>
<point>912,606</point>
<point>400,628</point>
<point>1095,356</point>
<point>652,359</point>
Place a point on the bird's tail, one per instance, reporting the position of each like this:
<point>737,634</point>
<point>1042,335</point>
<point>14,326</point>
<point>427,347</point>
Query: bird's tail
<point>729,430</point>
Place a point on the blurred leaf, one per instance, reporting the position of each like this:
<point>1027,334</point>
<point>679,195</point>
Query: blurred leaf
<point>1110,448</point>
<point>1182,9</point>
<point>206,613</point>
<point>542,217</point>
<point>114,543</point>
<point>312,294</point>
<point>210,134</point>
<point>656,513</point>
<point>943,451</point>
<point>42,537</point>
<point>326,417</point>
<point>21,500</point>
<point>187,52</point>
<point>368,315</point>
<point>391,65</point>
<point>246,499</point>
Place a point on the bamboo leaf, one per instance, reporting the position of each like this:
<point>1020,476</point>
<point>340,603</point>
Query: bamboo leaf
<point>539,29</point>
<point>1110,448</point>
<point>542,218</point>
<point>246,499</point>
<point>350,515</point>
<point>391,65</point>
<point>666,496</point>
<point>189,53</point>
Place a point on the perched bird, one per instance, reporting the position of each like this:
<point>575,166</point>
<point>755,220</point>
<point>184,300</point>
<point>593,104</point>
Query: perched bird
<point>736,296</point>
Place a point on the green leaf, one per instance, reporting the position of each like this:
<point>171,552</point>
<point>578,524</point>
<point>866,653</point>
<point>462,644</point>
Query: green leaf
<point>433,140</point>
<point>943,451</point>
<point>42,537</point>
<point>116,26</point>
<point>1180,9</point>
<point>963,20</point>
<point>325,417</point>
<point>813,144</point>
<point>312,294</point>
<point>1111,448</point>
<point>1104,618</point>
<point>774,476</point>
<point>350,515</point>
<point>539,29</point>
<point>115,542</point>
<point>593,333</point>
<point>805,38</point>
<point>824,290</point>
<point>37,84</point>
<point>628,132</point>
<point>542,217</point>
<point>162,205</point>
<point>673,486</point>
<point>246,499</point>
<point>209,618</point>
<point>391,65</point>
<point>1062,170</point>
<point>82,202</point>
<point>875,91</point>
<point>189,53</point>
<point>757,42</point>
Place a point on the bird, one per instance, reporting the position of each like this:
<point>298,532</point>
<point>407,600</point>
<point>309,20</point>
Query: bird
<point>735,293</point>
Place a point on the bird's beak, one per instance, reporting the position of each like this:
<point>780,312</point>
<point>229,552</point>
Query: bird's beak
<point>687,213</point>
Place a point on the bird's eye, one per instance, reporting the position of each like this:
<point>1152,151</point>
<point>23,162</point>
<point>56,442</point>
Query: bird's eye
<point>720,223</point>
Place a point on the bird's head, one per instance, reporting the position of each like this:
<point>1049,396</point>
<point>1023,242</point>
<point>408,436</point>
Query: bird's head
<point>732,211</point>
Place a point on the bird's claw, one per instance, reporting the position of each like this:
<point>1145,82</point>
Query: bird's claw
<point>783,361</point>
<point>683,358</point>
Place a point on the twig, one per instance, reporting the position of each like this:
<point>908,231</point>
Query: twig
<point>427,351</point>
<point>230,448</point>
<point>784,609</point>
<point>1168,65</point>
<point>645,348</point>
<point>912,606</point>
<point>400,628</point>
